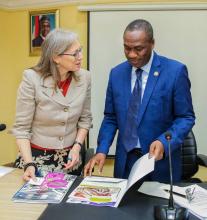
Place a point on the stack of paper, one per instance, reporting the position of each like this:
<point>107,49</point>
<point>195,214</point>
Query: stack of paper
<point>5,170</point>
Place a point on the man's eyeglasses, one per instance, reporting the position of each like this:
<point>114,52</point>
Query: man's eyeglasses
<point>75,54</point>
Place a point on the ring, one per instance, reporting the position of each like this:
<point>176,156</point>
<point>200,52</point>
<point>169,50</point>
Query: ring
<point>69,158</point>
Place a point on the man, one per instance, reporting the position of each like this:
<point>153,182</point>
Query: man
<point>44,30</point>
<point>146,96</point>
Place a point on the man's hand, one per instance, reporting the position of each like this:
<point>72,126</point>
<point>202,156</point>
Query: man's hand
<point>156,150</point>
<point>98,159</point>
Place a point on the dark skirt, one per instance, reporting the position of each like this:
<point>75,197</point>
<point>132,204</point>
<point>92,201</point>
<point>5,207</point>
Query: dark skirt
<point>50,161</point>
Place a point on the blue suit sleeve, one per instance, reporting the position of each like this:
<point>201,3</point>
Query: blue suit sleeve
<point>184,117</point>
<point>109,124</point>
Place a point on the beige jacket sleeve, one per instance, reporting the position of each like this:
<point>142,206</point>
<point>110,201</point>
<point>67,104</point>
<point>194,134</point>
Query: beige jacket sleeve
<point>85,120</point>
<point>25,108</point>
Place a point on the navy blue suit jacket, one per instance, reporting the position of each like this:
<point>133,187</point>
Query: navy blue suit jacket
<point>166,106</point>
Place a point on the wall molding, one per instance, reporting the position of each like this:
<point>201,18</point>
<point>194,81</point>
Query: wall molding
<point>28,4</point>
<point>32,4</point>
<point>144,7</point>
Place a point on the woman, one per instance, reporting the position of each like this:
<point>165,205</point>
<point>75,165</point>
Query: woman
<point>53,113</point>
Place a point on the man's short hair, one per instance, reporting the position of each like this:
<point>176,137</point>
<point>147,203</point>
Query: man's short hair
<point>44,18</point>
<point>140,24</point>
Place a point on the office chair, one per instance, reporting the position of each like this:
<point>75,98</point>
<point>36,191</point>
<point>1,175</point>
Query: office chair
<point>190,159</point>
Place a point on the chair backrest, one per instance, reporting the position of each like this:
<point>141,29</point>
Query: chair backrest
<point>189,156</point>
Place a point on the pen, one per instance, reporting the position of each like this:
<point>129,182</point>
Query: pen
<point>175,193</point>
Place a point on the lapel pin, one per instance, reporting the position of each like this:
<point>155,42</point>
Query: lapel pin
<point>156,73</point>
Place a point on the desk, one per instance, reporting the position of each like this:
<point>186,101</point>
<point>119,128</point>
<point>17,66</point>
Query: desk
<point>134,206</point>
<point>9,210</point>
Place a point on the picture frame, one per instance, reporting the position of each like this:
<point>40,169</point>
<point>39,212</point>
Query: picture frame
<point>41,23</point>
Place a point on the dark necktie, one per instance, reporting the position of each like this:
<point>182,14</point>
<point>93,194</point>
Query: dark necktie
<point>130,137</point>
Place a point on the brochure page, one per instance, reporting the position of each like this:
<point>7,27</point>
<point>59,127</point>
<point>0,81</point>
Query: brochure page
<point>103,191</point>
<point>49,189</point>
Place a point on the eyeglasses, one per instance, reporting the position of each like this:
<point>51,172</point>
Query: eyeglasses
<point>75,54</point>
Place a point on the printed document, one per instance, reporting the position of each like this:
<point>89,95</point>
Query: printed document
<point>48,189</point>
<point>197,205</point>
<point>5,170</point>
<point>103,191</point>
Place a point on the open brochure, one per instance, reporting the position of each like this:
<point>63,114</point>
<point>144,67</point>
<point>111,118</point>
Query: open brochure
<point>192,197</point>
<point>103,191</point>
<point>49,189</point>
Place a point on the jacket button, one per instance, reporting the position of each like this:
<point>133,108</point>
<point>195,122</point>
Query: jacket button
<point>60,138</point>
<point>65,109</point>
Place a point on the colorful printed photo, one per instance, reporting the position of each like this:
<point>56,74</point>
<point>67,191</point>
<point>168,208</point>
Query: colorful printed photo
<point>41,23</point>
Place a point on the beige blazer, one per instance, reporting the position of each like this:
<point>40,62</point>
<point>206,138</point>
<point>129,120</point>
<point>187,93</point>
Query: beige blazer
<point>45,116</point>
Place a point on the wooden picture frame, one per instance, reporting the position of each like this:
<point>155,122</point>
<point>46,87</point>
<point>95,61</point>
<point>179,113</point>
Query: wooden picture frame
<point>41,23</point>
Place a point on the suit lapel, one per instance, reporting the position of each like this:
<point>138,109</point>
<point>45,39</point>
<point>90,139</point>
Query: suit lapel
<point>151,82</point>
<point>127,83</point>
<point>74,91</point>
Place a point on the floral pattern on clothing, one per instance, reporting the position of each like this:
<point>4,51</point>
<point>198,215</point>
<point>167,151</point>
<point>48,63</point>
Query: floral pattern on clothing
<point>50,161</point>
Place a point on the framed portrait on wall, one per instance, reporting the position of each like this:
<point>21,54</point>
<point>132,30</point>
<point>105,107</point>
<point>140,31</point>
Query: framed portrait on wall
<point>41,23</point>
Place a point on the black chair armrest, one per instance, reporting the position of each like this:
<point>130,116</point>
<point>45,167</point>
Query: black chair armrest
<point>89,154</point>
<point>202,160</point>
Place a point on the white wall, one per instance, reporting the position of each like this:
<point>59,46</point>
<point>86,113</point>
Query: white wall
<point>179,34</point>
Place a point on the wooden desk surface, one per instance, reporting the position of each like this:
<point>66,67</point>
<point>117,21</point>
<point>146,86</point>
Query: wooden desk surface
<point>10,210</point>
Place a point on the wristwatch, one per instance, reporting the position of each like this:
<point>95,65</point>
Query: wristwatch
<point>77,142</point>
<point>31,164</point>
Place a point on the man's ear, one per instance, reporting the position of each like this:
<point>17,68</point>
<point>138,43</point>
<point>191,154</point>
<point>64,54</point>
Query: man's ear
<point>153,43</point>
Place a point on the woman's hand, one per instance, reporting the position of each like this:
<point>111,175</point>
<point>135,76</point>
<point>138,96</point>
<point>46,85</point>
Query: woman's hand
<point>73,157</point>
<point>29,173</point>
